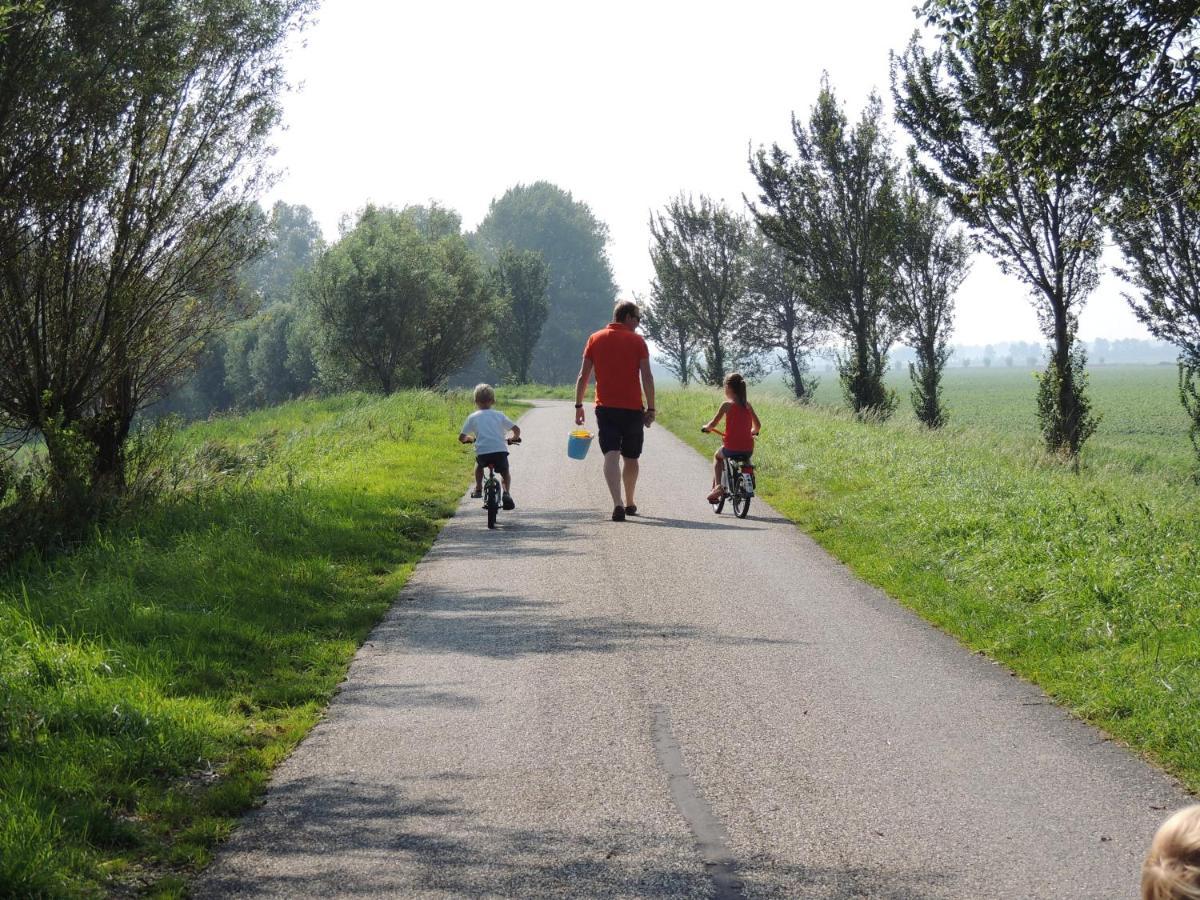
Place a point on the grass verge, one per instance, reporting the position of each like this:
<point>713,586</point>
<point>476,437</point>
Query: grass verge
<point>1088,585</point>
<point>151,680</point>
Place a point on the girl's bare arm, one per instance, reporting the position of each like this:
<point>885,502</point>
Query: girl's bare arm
<point>717,418</point>
<point>754,418</point>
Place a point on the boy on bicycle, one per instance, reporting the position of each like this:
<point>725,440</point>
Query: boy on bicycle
<point>487,429</point>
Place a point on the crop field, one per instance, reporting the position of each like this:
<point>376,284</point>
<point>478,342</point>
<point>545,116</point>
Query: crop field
<point>1143,427</point>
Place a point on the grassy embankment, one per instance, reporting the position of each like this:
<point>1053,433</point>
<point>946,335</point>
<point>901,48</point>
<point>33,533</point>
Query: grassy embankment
<point>1087,584</point>
<point>150,680</point>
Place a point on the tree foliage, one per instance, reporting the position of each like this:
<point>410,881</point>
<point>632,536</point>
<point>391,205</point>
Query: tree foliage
<point>780,314</point>
<point>400,299</point>
<point>699,254</point>
<point>520,279</point>
<point>580,294</point>
<point>931,261</point>
<point>1000,137</point>
<point>1156,223</point>
<point>832,208</point>
<point>666,322</point>
<point>132,138</point>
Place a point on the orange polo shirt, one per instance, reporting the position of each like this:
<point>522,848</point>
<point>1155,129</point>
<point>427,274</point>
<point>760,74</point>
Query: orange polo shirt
<point>616,353</point>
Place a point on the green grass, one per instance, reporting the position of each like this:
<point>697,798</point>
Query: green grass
<point>1087,584</point>
<point>1143,426</point>
<point>150,680</point>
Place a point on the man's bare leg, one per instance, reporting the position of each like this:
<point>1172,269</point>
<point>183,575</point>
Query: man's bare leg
<point>630,476</point>
<point>612,475</point>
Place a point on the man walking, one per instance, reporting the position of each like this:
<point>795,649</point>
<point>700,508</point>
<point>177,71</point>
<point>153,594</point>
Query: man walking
<point>621,361</point>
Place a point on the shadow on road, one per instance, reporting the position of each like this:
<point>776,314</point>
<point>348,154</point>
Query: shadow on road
<point>494,624</point>
<point>406,839</point>
<point>714,525</point>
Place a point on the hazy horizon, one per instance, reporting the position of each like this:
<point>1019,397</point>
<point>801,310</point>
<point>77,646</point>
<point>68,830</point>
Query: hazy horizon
<point>623,109</point>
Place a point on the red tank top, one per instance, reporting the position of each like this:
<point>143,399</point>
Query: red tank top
<point>737,429</point>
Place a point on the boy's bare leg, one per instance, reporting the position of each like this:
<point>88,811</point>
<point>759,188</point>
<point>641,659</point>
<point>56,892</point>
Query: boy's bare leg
<point>506,480</point>
<point>612,475</point>
<point>629,475</point>
<point>478,477</point>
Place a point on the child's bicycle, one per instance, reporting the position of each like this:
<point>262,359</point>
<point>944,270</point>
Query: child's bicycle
<point>737,482</point>
<point>492,489</point>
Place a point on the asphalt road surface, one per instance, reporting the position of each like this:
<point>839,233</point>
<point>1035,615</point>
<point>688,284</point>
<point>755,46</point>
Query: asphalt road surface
<point>681,705</point>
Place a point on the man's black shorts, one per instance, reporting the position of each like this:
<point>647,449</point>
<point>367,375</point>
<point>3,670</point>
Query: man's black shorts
<point>621,429</point>
<point>499,460</point>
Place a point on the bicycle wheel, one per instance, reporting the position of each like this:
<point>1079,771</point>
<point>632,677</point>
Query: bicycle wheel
<point>741,505</point>
<point>719,505</point>
<point>491,501</point>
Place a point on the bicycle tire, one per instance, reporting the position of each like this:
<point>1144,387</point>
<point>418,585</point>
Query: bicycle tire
<point>741,505</point>
<point>719,505</point>
<point>491,511</point>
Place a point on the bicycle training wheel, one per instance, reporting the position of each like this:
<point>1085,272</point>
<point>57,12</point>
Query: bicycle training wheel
<point>719,505</point>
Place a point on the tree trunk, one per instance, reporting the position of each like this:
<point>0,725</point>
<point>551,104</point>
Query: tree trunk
<point>1068,406</point>
<point>798,387</point>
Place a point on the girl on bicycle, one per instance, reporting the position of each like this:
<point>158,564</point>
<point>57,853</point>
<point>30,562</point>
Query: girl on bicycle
<point>741,427</point>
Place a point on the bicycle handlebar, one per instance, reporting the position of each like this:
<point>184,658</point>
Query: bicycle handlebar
<point>712,431</point>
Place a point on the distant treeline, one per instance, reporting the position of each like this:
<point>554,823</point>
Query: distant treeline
<point>405,298</point>
<point>1122,351</point>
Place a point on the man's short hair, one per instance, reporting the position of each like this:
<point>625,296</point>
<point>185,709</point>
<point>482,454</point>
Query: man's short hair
<point>484,394</point>
<point>625,309</point>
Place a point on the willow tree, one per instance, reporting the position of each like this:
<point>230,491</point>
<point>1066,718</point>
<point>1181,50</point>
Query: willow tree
<point>1000,135</point>
<point>698,249</point>
<point>132,139</point>
<point>931,262</point>
<point>832,208</point>
<point>780,314</point>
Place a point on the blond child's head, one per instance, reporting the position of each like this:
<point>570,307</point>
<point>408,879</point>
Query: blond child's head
<point>485,396</point>
<point>1172,867</point>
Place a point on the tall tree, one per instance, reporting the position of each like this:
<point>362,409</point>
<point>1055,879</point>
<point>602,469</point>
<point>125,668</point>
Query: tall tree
<point>520,279</point>
<point>1157,226</point>
<point>293,241</point>
<point>580,293</point>
<point>460,304</point>
<point>400,299</point>
<point>931,261</point>
<point>780,314</point>
<point>369,292</point>
<point>699,250</point>
<point>667,322</point>
<point>832,208</point>
<point>1000,136</point>
<point>132,137</point>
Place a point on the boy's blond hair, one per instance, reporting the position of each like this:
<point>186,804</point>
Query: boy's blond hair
<point>1172,867</point>
<point>484,394</point>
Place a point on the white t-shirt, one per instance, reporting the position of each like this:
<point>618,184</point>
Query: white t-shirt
<point>490,427</point>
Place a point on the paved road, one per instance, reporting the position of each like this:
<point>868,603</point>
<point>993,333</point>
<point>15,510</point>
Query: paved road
<point>682,705</point>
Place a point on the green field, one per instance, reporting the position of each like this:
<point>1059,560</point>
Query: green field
<point>1088,583</point>
<point>151,679</point>
<point>1143,427</point>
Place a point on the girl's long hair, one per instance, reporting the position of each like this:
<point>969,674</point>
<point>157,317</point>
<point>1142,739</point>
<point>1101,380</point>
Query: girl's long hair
<point>737,384</point>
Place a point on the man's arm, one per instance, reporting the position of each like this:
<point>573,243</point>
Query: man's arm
<point>648,389</point>
<point>581,383</point>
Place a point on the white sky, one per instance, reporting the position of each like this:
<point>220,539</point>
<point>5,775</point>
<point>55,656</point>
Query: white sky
<point>624,104</point>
